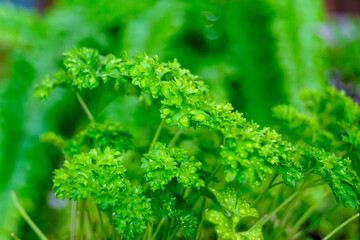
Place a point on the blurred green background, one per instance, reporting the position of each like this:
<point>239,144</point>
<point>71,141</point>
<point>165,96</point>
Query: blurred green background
<point>253,53</point>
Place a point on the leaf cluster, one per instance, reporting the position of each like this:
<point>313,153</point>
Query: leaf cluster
<point>331,120</point>
<point>234,210</point>
<point>161,165</point>
<point>331,123</point>
<point>248,153</point>
<point>100,135</point>
<point>169,205</point>
<point>100,175</point>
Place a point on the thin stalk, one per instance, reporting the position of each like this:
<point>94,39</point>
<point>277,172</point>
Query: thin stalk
<point>158,132</point>
<point>187,192</point>
<point>276,184</point>
<point>106,105</point>
<point>114,229</point>
<point>287,213</point>
<point>309,171</point>
<point>85,108</point>
<point>212,175</point>
<point>158,228</point>
<point>101,222</point>
<point>341,226</point>
<point>194,198</point>
<point>91,224</point>
<point>316,222</point>
<point>269,216</point>
<point>150,226</point>
<point>301,220</point>
<point>293,230</point>
<point>14,236</point>
<point>314,183</point>
<point>198,232</point>
<point>169,229</point>
<point>73,220</point>
<point>175,138</point>
<point>174,232</point>
<point>27,218</point>
<point>146,233</point>
<point>289,209</point>
<point>266,189</point>
<point>82,218</point>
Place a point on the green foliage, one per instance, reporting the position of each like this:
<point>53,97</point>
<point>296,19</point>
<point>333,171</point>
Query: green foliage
<point>332,125</point>
<point>100,135</point>
<point>87,175</point>
<point>257,152</point>
<point>249,153</point>
<point>161,165</point>
<point>31,46</point>
<point>236,209</point>
<point>100,175</point>
<point>338,173</point>
<point>331,122</point>
<point>219,44</point>
<point>171,208</point>
<point>132,212</point>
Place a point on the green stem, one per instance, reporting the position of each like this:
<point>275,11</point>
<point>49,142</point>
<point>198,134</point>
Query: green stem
<point>82,218</point>
<point>101,222</point>
<point>172,236</point>
<point>341,226</point>
<point>175,137</point>
<point>198,232</point>
<point>146,233</point>
<point>29,221</point>
<point>289,209</point>
<point>91,224</point>
<point>212,175</point>
<point>114,228</point>
<point>106,105</point>
<point>266,189</point>
<point>14,236</point>
<point>301,220</point>
<point>269,216</point>
<point>314,183</point>
<point>158,228</point>
<point>73,220</point>
<point>276,184</point>
<point>169,229</point>
<point>85,108</point>
<point>309,185</point>
<point>316,222</point>
<point>194,198</point>
<point>150,226</point>
<point>309,171</point>
<point>158,132</point>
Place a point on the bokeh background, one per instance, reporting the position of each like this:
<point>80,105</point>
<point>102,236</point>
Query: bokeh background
<point>253,53</point>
